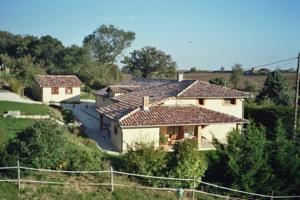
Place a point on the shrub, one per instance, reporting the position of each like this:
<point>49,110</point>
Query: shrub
<point>187,161</point>
<point>44,144</point>
<point>163,139</point>
<point>145,159</point>
<point>14,85</point>
<point>218,81</point>
<point>249,86</point>
<point>40,145</point>
<point>81,159</point>
<point>68,116</point>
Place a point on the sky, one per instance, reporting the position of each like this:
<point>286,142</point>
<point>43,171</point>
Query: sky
<point>204,34</point>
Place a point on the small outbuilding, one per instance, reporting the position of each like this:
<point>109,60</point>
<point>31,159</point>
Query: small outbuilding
<point>57,88</point>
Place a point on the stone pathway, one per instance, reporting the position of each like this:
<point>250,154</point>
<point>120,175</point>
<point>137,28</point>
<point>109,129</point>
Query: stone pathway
<point>87,115</point>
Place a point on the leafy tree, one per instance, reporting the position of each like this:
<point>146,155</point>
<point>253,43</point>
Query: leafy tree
<point>193,69</point>
<point>150,62</point>
<point>218,81</point>
<point>106,43</point>
<point>275,89</point>
<point>249,86</point>
<point>236,75</point>
<point>187,161</point>
<point>72,56</point>
<point>47,48</point>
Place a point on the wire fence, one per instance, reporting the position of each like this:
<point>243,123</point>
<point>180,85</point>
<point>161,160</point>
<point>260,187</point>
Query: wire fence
<point>112,180</point>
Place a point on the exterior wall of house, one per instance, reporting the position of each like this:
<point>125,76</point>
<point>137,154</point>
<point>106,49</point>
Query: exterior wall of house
<point>116,137</point>
<point>219,131</point>
<point>219,106</point>
<point>62,96</point>
<point>123,137</point>
<point>212,104</point>
<point>102,101</point>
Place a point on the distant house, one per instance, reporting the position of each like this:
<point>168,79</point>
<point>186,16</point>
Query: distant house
<point>263,71</point>
<point>254,71</point>
<point>57,88</point>
<point>145,110</point>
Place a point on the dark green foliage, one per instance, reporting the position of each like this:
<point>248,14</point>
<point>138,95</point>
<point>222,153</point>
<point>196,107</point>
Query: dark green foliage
<point>247,159</point>
<point>267,114</point>
<point>275,89</point>
<point>44,144</point>
<point>106,43</point>
<point>236,75</point>
<point>193,69</point>
<point>145,159</point>
<point>285,154</point>
<point>218,81</point>
<point>26,56</point>
<point>40,145</point>
<point>249,86</point>
<point>187,161</point>
<point>150,62</point>
<point>68,116</point>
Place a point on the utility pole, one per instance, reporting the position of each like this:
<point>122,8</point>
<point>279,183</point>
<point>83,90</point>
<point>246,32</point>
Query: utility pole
<point>296,97</point>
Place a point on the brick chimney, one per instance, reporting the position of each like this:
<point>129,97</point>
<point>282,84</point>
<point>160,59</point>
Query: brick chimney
<point>146,102</point>
<point>179,76</point>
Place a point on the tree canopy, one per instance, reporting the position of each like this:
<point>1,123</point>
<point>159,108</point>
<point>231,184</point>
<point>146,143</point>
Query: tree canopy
<point>106,43</point>
<point>236,74</point>
<point>275,89</point>
<point>150,62</point>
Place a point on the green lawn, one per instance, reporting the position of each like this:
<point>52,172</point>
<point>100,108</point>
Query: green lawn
<point>86,95</point>
<point>24,107</point>
<point>12,126</point>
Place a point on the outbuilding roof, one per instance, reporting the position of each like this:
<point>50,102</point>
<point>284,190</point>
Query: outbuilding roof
<point>176,116</point>
<point>58,81</point>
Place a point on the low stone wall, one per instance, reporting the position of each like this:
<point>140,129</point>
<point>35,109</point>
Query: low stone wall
<point>34,116</point>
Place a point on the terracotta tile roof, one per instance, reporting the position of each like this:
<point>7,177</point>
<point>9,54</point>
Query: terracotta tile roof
<point>116,111</point>
<point>156,94</point>
<point>58,81</point>
<point>134,84</point>
<point>201,89</point>
<point>177,115</point>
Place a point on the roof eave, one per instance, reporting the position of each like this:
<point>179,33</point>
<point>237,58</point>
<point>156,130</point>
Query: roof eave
<point>192,124</point>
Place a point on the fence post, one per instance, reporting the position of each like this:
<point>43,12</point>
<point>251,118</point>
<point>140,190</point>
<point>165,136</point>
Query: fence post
<point>272,195</point>
<point>19,176</point>
<point>194,187</point>
<point>112,178</point>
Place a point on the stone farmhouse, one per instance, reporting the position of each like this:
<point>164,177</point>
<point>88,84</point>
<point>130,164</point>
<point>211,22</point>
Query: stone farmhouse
<point>163,112</point>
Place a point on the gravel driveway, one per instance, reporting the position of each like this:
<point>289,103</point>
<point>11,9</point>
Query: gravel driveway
<point>6,95</point>
<point>87,115</point>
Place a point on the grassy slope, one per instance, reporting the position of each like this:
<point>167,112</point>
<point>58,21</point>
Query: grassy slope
<point>12,126</point>
<point>24,107</point>
<point>11,192</point>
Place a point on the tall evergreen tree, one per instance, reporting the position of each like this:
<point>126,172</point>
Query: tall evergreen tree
<point>248,159</point>
<point>286,161</point>
<point>275,89</point>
